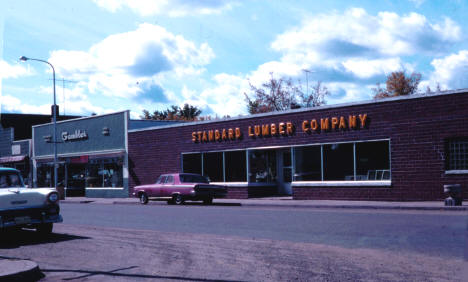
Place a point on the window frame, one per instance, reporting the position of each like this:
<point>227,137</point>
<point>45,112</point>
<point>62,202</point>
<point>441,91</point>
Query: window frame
<point>322,182</point>
<point>448,156</point>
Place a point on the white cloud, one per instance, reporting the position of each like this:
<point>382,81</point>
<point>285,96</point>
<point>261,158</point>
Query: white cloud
<point>12,71</point>
<point>348,51</point>
<point>127,64</point>
<point>451,71</point>
<point>174,8</point>
<point>356,33</point>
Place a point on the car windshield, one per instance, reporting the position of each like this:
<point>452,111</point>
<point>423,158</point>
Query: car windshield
<point>193,178</point>
<point>10,179</point>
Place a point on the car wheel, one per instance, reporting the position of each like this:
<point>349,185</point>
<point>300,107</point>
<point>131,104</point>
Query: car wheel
<point>143,199</point>
<point>208,201</point>
<point>45,228</point>
<point>178,200</point>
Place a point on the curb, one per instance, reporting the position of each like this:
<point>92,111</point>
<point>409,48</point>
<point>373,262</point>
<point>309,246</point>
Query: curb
<point>19,270</point>
<point>295,205</point>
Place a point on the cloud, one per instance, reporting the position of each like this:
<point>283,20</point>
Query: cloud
<point>133,63</point>
<point>349,51</point>
<point>356,33</point>
<point>450,71</point>
<point>173,8</point>
<point>12,71</point>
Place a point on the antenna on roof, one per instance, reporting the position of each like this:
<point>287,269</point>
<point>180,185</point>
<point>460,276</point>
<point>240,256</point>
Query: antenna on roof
<point>63,90</point>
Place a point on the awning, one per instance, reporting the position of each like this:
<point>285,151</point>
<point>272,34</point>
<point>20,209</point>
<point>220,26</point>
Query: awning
<point>12,159</point>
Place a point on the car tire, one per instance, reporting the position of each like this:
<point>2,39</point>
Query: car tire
<point>208,201</point>
<point>45,229</point>
<point>143,199</point>
<point>178,199</point>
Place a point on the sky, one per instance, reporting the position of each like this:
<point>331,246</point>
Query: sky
<point>114,55</point>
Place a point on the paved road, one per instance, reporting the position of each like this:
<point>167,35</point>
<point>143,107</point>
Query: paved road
<point>431,233</point>
<point>232,243</point>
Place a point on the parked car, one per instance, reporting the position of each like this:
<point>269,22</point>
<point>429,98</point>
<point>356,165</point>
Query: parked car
<point>26,207</point>
<point>176,188</point>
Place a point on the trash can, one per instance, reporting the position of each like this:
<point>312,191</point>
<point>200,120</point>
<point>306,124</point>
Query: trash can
<point>455,195</point>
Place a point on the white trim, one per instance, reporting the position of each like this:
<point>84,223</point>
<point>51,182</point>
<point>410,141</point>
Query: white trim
<point>457,171</point>
<point>313,109</point>
<point>383,183</point>
<point>80,118</point>
<point>92,153</point>
<point>244,184</point>
<point>104,188</point>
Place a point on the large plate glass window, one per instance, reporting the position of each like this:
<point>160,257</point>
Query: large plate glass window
<point>338,161</point>
<point>308,163</point>
<point>213,166</point>
<point>192,163</point>
<point>373,160</point>
<point>235,166</point>
<point>262,166</point>
<point>105,173</point>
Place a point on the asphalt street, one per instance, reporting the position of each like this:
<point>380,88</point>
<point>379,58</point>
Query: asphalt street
<point>113,242</point>
<point>431,233</point>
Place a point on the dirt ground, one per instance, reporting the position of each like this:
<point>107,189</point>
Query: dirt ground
<point>84,253</point>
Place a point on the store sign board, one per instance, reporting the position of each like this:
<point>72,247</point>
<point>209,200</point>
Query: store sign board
<point>75,136</point>
<point>326,124</point>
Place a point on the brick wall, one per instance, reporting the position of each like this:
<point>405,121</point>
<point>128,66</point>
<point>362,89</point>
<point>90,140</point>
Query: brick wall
<point>417,129</point>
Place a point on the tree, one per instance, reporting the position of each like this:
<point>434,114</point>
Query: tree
<point>187,113</point>
<point>316,97</point>
<point>398,84</point>
<point>282,94</point>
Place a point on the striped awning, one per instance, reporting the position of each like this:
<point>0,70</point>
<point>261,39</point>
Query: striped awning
<point>12,159</point>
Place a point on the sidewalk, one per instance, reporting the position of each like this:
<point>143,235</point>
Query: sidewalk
<point>289,202</point>
<point>19,270</point>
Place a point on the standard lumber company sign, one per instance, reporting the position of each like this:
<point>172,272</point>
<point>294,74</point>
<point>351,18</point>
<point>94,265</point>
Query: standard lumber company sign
<point>288,128</point>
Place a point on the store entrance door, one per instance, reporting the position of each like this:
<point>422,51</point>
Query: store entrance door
<point>284,163</point>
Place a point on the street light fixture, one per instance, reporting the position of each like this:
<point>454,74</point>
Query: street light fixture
<point>54,118</point>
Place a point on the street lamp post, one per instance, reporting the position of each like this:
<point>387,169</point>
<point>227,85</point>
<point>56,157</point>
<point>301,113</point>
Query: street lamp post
<point>54,118</point>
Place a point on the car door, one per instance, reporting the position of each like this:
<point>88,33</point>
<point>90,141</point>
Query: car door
<point>168,187</point>
<point>155,190</point>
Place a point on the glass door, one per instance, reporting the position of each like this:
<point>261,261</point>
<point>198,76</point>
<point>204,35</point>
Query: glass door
<point>284,157</point>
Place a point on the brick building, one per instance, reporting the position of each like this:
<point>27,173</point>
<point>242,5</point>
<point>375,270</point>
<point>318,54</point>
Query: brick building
<point>402,149</point>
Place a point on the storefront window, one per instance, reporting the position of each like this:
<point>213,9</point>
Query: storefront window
<point>338,162</point>
<point>191,163</point>
<point>45,175</point>
<point>372,161</point>
<point>308,163</point>
<point>105,173</point>
<point>262,166</point>
<point>235,166</point>
<point>213,166</point>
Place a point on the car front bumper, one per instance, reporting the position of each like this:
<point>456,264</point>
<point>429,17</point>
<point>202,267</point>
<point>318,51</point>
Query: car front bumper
<point>30,216</point>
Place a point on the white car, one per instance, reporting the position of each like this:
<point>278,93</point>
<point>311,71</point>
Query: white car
<point>26,207</point>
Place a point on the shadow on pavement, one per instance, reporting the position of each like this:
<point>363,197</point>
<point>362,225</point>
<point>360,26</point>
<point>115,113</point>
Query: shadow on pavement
<point>113,273</point>
<point>12,239</point>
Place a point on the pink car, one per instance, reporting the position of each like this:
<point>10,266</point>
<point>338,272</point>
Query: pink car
<point>175,188</point>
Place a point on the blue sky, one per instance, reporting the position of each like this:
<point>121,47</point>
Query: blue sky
<point>148,54</point>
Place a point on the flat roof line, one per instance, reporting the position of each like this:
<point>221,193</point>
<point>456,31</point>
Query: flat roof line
<point>311,109</point>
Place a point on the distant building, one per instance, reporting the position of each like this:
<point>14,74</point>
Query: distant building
<point>15,140</point>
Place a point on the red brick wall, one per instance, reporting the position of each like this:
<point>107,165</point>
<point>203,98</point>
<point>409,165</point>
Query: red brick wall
<point>417,129</point>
